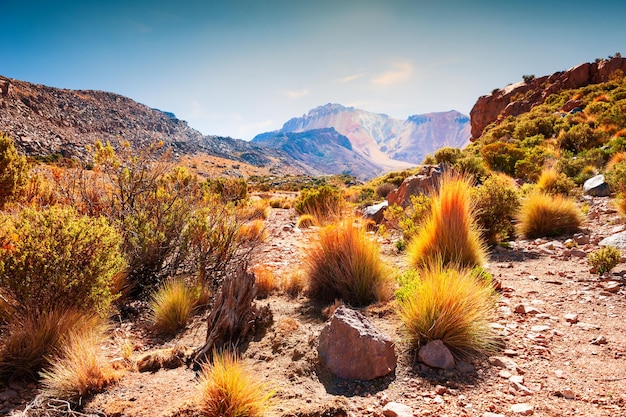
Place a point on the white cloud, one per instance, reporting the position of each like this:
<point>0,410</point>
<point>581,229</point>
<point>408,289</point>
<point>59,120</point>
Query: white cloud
<point>401,71</point>
<point>350,78</point>
<point>294,94</point>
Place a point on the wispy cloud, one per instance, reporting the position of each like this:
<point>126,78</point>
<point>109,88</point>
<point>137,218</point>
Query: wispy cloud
<point>350,78</point>
<point>293,94</point>
<point>400,72</point>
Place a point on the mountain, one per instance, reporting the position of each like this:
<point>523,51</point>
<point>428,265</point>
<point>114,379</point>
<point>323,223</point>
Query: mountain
<point>45,120</point>
<point>385,143</point>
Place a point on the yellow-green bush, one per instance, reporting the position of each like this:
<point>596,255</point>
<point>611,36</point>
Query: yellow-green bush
<point>55,257</point>
<point>408,220</point>
<point>306,220</point>
<point>496,202</point>
<point>171,306</point>
<point>451,305</point>
<point>553,182</point>
<point>547,215</point>
<point>322,202</point>
<point>605,259</point>
<point>13,171</point>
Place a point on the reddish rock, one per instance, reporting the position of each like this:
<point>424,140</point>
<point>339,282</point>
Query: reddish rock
<point>421,183</point>
<point>352,348</point>
<point>435,354</point>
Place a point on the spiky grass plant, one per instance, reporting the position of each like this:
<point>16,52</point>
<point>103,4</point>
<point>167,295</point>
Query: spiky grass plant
<point>265,281</point>
<point>171,306</point>
<point>548,215</point>
<point>452,305</point>
<point>449,233</point>
<point>553,182</point>
<point>253,231</point>
<point>34,338</point>
<point>305,221</point>
<point>345,263</point>
<point>228,389</point>
<point>78,372</point>
<point>293,284</point>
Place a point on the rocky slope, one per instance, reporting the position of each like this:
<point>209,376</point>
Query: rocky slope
<point>45,120</point>
<point>386,142</point>
<point>519,98</point>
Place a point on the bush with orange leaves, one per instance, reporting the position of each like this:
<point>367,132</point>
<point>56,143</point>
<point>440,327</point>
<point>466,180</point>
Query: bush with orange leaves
<point>449,234</point>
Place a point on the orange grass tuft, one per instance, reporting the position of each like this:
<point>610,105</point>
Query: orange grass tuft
<point>228,389</point>
<point>344,263</point>
<point>615,159</point>
<point>171,306</point>
<point>265,281</point>
<point>451,305</point>
<point>306,220</point>
<point>548,215</point>
<point>449,234</point>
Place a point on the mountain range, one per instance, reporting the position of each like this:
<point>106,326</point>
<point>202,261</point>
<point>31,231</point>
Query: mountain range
<point>330,139</point>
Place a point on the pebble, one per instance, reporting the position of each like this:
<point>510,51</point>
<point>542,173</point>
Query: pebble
<point>522,409</point>
<point>567,393</point>
<point>600,340</point>
<point>559,374</point>
<point>526,309</point>
<point>393,409</point>
<point>612,286</point>
<point>539,329</point>
<point>571,318</point>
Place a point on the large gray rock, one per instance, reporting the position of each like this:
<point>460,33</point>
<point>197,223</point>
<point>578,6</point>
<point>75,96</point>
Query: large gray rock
<point>617,240</point>
<point>376,212</point>
<point>597,187</point>
<point>352,348</point>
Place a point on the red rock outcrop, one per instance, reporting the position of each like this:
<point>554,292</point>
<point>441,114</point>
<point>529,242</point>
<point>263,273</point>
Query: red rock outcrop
<point>519,98</point>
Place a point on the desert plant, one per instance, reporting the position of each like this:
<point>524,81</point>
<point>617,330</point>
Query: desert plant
<point>447,155</point>
<point>546,215</point>
<point>344,263</point>
<point>55,257</point>
<point>252,232</point>
<point>231,190</point>
<point>451,305</point>
<point>605,259</point>
<point>228,389</point>
<point>409,219</point>
<point>449,234</point>
<point>553,182</point>
<point>171,306</point>
<point>496,202</point>
<point>305,221</point>
<point>265,281</point>
<point>322,202</point>
<point>77,372</point>
<point>13,171</point>
<point>293,284</point>
<point>383,190</point>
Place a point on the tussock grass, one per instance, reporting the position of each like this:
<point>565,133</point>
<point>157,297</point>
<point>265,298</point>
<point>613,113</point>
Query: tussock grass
<point>171,306</point>
<point>77,373</point>
<point>228,389</point>
<point>547,215</point>
<point>265,281</point>
<point>553,182</point>
<point>449,233</point>
<point>34,338</point>
<point>344,263</point>
<point>294,283</point>
<point>253,231</point>
<point>615,159</point>
<point>306,220</point>
<point>451,305</point>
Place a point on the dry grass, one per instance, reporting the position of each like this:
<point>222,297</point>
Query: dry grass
<point>228,389</point>
<point>306,220</point>
<point>294,283</point>
<point>548,215</point>
<point>553,182</point>
<point>344,263</point>
<point>77,373</point>
<point>171,307</point>
<point>265,281</point>
<point>35,338</point>
<point>450,305</point>
<point>620,203</point>
<point>615,159</point>
<point>449,234</point>
<point>253,231</point>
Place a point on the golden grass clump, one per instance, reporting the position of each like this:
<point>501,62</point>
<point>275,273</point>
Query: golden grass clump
<point>171,306</point>
<point>293,284</point>
<point>306,220</point>
<point>548,215</point>
<point>553,182</point>
<point>78,373</point>
<point>615,159</point>
<point>345,263</point>
<point>451,305</point>
<point>265,281</point>
<point>228,389</point>
<point>449,234</point>
<point>253,231</point>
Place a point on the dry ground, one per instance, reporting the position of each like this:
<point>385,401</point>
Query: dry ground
<point>559,367</point>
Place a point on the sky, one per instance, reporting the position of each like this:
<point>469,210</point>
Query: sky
<point>242,67</point>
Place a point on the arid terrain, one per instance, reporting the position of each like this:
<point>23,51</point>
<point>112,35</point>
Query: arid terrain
<point>562,328</point>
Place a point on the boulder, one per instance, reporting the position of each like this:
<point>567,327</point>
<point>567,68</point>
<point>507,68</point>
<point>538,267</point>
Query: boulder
<point>436,355</point>
<point>375,212</point>
<point>352,348</point>
<point>597,187</point>
<point>423,182</point>
<point>617,240</point>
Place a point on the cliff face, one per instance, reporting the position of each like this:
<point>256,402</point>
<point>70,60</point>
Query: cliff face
<point>519,98</point>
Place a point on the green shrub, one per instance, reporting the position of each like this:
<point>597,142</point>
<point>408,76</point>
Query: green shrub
<point>408,220</point>
<point>472,165</point>
<point>616,177</point>
<point>552,182</point>
<point>447,155</point>
<point>605,259</point>
<point>55,257</point>
<point>322,202</point>
<point>502,157</point>
<point>496,202</point>
<point>13,171</point>
<point>231,190</point>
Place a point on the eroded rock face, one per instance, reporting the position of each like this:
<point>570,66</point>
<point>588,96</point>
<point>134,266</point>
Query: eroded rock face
<point>500,103</point>
<point>352,348</point>
<point>421,183</point>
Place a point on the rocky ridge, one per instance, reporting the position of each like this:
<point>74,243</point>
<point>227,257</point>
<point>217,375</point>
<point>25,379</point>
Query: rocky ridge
<point>519,98</point>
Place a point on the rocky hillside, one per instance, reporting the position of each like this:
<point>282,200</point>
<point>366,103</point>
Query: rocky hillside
<point>516,99</point>
<point>386,142</point>
<point>45,120</point>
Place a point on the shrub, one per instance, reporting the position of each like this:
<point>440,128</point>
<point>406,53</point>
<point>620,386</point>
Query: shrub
<point>228,389</point>
<point>472,165</point>
<point>344,263</point>
<point>496,202</point>
<point>265,281</point>
<point>383,190</point>
<point>171,306</point>
<point>252,233</point>
<point>579,137</point>
<point>616,177</point>
<point>449,233</point>
<point>502,157</point>
<point>450,305</point>
<point>408,220</point>
<point>293,284</point>
<point>546,215</point>
<point>605,259</point>
<point>305,221</point>
<point>552,182</point>
<point>35,337</point>
<point>231,190</point>
<point>77,372</point>
<point>277,202</point>
<point>322,202</point>
<point>13,171</point>
<point>54,257</point>
<point>255,210</point>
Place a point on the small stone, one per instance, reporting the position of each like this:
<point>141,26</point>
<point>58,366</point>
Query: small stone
<point>525,309</point>
<point>510,352</point>
<point>523,409</point>
<point>465,368</point>
<point>571,318</point>
<point>587,326</point>
<point>393,409</point>
<point>612,286</point>
<point>517,378</point>
<point>600,340</point>
<point>567,393</point>
<point>539,329</point>
<point>503,362</point>
<point>505,374</point>
<point>440,390</point>
<point>436,355</point>
<point>559,374</point>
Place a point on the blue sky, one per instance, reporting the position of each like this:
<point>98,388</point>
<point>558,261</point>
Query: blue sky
<point>242,67</point>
